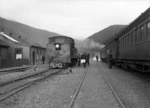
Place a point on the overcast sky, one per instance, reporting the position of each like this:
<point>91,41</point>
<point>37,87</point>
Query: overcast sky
<point>75,18</point>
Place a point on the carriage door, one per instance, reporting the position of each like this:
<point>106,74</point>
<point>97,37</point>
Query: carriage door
<point>33,58</point>
<point>0,58</point>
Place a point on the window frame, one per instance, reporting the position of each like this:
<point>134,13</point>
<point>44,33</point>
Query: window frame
<point>18,53</point>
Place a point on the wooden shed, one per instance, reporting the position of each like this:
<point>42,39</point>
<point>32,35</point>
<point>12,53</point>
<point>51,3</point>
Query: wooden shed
<point>18,51</point>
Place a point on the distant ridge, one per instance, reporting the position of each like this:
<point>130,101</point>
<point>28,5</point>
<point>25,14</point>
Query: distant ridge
<point>103,35</point>
<point>34,34</point>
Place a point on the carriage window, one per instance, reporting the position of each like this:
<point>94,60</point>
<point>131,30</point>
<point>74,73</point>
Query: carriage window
<point>136,35</point>
<point>18,52</point>
<point>124,43</point>
<point>141,33</point>
<point>124,38</point>
<point>127,39</point>
<point>131,37</point>
<point>148,30</point>
<point>121,42</point>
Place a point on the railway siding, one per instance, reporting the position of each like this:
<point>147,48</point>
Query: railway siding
<point>94,92</point>
<point>54,92</point>
<point>132,87</point>
<point>58,91</point>
<point>14,75</point>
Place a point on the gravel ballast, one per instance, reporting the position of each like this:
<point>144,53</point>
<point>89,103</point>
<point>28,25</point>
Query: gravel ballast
<point>57,92</point>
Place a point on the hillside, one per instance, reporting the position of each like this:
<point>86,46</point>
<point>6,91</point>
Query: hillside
<point>36,35</point>
<point>106,33</point>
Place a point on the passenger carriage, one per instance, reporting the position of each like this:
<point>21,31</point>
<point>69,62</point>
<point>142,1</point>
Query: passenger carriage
<point>131,45</point>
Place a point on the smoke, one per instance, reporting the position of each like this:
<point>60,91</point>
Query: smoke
<point>88,45</point>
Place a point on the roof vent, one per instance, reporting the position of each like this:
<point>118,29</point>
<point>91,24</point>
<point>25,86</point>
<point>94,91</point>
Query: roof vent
<point>10,34</point>
<point>19,37</point>
<point>2,30</point>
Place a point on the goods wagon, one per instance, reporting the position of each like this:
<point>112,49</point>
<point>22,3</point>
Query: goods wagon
<point>61,52</point>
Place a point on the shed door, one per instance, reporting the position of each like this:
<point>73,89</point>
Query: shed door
<point>0,58</point>
<point>33,58</point>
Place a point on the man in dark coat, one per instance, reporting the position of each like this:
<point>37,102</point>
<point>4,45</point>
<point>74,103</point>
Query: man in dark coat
<point>83,58</point>
<point>110,59</point>
<point>79,60</point>
<point>97,58</point>
<point>87,58</point>
<point>43,59</point>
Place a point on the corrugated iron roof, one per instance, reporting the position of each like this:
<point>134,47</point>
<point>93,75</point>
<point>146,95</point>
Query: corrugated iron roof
<point>8,37</point>
<point>21,40</point>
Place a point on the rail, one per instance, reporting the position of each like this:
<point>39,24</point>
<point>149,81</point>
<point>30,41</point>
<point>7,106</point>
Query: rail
<point>77,90</point>
<point>112,89</point>
<point>13,91</point>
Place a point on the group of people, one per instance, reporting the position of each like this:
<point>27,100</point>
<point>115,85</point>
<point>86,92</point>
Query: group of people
<point>83,59</point>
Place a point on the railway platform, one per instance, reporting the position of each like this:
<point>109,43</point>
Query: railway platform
<point>20,67</point>
<point>65,89</point>
<point>15,68</point>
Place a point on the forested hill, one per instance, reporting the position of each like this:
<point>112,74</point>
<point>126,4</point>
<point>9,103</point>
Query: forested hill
<point>34,34</point>
<point>106,33</point>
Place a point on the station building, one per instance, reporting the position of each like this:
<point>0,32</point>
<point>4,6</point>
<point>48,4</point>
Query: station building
<point>16,50</point>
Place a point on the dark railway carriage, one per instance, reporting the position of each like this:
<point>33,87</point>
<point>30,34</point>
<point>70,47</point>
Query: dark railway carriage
<point>61,52</point>
<point>131,45</point>
<point>134,43</point>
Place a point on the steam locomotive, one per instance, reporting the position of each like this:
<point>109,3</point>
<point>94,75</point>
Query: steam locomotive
<point>61,52</point>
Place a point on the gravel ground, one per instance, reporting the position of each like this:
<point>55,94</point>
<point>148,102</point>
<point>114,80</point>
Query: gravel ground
<point>95,93</point>
<point>14,75</point>
<point>133,88</point>
<point>57,92</point>
<point>52,93</point>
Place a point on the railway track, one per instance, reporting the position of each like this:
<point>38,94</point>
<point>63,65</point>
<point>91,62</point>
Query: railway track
<point>71,104</point>
<point>112,89</point>
<point>19,69</point>
<point>12,87</point>
<point>16,69</point>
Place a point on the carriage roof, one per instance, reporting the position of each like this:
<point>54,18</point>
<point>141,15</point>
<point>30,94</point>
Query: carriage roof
<point>61,37</point>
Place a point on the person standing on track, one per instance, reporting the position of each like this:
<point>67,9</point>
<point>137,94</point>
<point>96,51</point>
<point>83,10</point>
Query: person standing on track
<point>87,58</point>
<point>97,58</point>
<point>43,59</point>
<point>83,59</point>
<point>79,60</point>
